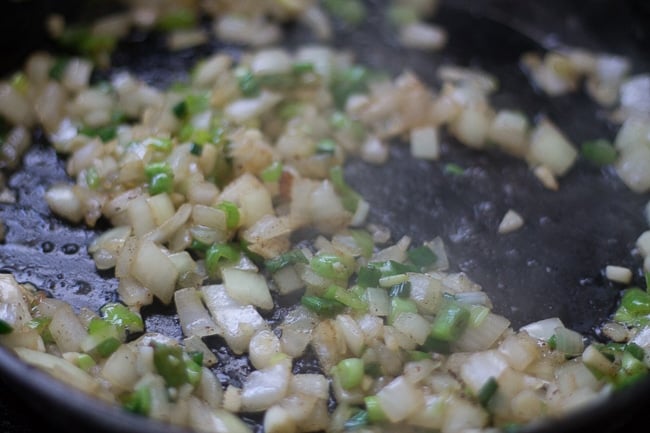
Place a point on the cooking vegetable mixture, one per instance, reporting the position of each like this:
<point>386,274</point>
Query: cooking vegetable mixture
<point>205,183</point>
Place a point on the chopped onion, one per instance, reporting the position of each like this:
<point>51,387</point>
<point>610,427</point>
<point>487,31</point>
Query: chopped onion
<point>422,36</point>
<point>155,271</point>
<point>633,97</point>
<point>247,288</point>
<point>483,336</point>
<point>67,330</point>
<point>548,146</point>
<point>631,168</point>
<point>413,325</point>
<point>542,329</point>
<point>424,143</point>
<point>64,202</point>
<point>618,274</point>
<point>511,222</point>
<point>568,341</point>
<point>262,348</point>
<point>509,130</point>
<point>400,399</point>
<point>193,316</point>
<point>59,368</point>
<point>14,107</point>
<point>265,387</point>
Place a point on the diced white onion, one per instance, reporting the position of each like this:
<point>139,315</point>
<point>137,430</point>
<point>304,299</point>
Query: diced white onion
<point>542,329</point>
<point>618,274</point>
<point>262,348</point>
<point>67,330</point>
<point>549,146</point>
<point>422,36</point>
<point>265,387</point>
<point>247,287</point>
<point>153,269</point>
<point>511,222</point>
<point>192,314</point>
<point>59,368</point>
<point>424,143</point>
<point>400,399</point>
<point>483,336</point>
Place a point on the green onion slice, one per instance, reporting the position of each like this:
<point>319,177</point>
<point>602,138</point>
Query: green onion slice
<point>599,152</point>
<point>232,213</point>
<point>289,258</point>
<point>5,327</point>
<point>322,306</point>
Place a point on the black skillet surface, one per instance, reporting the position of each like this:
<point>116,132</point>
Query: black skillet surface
<point>551,267</point>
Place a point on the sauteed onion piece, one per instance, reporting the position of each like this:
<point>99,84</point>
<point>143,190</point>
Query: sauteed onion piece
<point>206,181</point>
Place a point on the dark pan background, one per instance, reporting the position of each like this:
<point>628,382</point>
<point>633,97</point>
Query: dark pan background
<point>614,26</point>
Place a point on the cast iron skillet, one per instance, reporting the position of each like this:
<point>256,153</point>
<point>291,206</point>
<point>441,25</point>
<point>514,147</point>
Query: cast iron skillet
<point>551,267</point>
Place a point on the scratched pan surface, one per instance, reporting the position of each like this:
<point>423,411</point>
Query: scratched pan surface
<point>551,267</point>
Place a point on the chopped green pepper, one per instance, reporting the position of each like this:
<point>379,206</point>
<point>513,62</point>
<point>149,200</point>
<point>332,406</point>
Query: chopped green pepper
<point>302,67</point>
<point>364,241</point>
<point>120,316</point>
<point>352,12</point>
<point>193,367</point>
<point>273,172</point>
<point>356,421</point>
<point>417,355</point>
<point>19,82</point>
<point>326,146</point>
<point>196,149</point>
<point>85,362</point>
<point>346,82</point>
<point>182,18</point>
<point>486,392</point>
<point>391,267</point>
<point>138,401</point>
<point>368,277</point>
<point>422,256</point>
<point>199,246</point>
<point>249,86</point>
<point>344,123</point>
<point>350,372</point>
<point>170,364</point>
<point>180,109</point>
<point>103,338</point>
<point>107,347</point>
<point>232,213</point>
<point>349,197</point>
<point>552,342</point>
<point>5,327</point>
<point>402,290</point>
<point>345,297</point>
<point>218,253</point>
<point>454,169</point>
<point>635,350</point>
<point>58,68</point>
<point>42,326</point>
<point>450,321</point>
<point>435,345</point>
<point>92,178</point>
<point>159,144</point>
<point>401,15</point>
<point>399,306</point>
<point>375,412</point>
<point>599,152</point>
<point>285,259</point>
<point>105,133</point>
<point>322,306</point>
<point>160,177</point>
<point>329,266</point>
